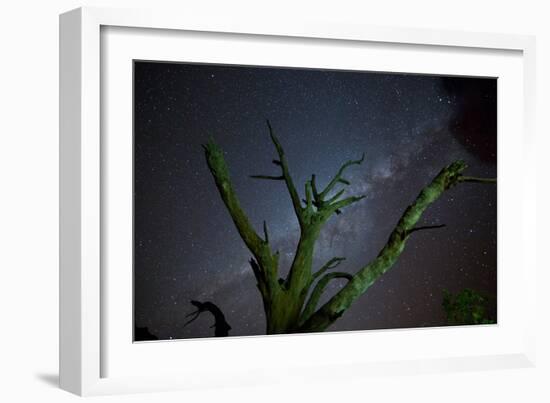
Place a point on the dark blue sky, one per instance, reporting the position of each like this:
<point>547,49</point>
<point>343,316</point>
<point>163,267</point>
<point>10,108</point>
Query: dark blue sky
<point>409,127</point>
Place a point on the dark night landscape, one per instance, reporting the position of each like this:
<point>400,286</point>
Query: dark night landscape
<point>192,267</point>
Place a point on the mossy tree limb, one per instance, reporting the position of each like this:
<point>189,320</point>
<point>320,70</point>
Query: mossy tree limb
<point>331,264</point>
<point>285,299</point>
<point>265,262</point>
<point>318,290</point>
<point>366,276</point>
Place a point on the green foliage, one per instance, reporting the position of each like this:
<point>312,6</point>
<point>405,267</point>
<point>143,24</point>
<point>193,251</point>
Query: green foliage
<point>468,307</point>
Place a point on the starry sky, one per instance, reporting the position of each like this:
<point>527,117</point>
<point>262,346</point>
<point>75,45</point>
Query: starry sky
<point>409,127</point>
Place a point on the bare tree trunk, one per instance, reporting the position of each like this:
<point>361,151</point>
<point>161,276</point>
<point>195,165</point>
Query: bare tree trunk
<point>284,300</point>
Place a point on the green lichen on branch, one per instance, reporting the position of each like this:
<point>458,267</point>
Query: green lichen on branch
<point>448,177</point>
<point>317,292</point>
<point>285,299</point>
<point>265,262</point>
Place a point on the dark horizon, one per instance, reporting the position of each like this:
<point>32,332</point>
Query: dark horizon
<point>409,126</point>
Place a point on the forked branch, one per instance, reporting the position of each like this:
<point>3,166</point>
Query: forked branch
<point>334,204</point>
<point>317,292</point>
<point>285,174</point>
<point>285,299</point>
<point>338,177</point>
<point>366,276</point>
<point>331,264</point>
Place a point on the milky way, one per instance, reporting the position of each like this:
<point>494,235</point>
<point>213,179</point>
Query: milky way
<point>408,126</point>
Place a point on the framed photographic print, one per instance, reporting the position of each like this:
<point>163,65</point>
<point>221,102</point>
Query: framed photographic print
<point>266,269</point>
<point>235,200</point>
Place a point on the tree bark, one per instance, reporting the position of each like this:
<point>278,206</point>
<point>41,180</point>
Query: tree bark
<point>366,276</point>
<point>285,299</point>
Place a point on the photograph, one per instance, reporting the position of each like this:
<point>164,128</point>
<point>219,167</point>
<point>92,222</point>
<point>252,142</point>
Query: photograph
<point>254,202</point>
<point>273,200</point>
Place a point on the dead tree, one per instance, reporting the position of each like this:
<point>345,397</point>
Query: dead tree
<point>284,300</point>
<point>221,327</point>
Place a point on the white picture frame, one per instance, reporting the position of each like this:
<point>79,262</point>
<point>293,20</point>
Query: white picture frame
<point>85,343</point>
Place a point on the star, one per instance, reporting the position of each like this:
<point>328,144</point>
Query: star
<point>410,126</point>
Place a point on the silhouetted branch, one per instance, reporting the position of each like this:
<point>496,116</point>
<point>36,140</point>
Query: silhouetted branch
<point>221,325</point>
<point>424,228</point>
<point>266,235</point>
<point>477,180</point>
<point>268,177</point>
<point>308,195</point>
<point>143,334</point>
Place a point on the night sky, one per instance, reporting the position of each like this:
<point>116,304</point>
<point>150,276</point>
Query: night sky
<point>409,126</point>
